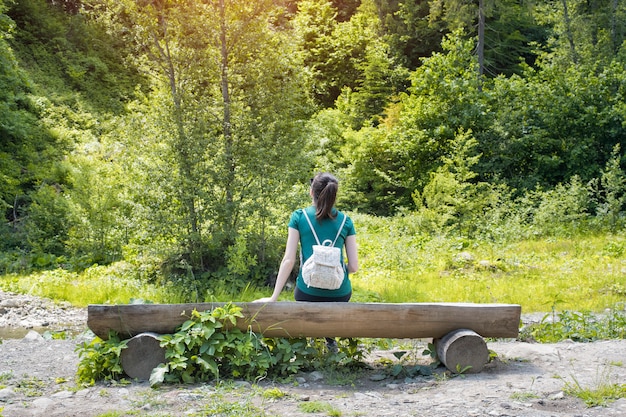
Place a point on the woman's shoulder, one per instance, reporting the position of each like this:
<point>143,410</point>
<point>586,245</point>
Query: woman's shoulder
<point>296,215</point>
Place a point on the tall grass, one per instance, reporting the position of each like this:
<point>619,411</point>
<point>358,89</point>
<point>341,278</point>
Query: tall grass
<point>400,264</point>
<point>582,272</point>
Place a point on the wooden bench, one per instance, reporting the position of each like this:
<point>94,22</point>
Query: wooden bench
<point>457,329</point>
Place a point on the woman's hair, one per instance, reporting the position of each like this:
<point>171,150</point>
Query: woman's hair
<point>324,187</point>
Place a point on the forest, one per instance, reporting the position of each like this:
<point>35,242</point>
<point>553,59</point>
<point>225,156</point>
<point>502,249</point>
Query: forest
<point>175,137</point>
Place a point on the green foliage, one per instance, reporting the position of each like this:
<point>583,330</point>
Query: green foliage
<point>563,209</point>
<point>221,407</point>
<point>209,347</point>
<point>548,125</point>
<point>117,283</point>
<point>398,157</point>
<point>451,200</point>
<point>578,326</point>
<point>504,49</point>
<point>611,194</point>
<point>100,359</point>
<point>31,386</point>
<point>47,224</point>
<point>405,366</point>
<point>202,351</point>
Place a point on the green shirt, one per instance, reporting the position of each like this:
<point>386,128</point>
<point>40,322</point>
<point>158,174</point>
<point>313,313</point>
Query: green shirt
<point>326,229</point>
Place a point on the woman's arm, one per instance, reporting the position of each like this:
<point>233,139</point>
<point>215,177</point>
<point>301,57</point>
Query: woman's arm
<point>286,266</point>
<point>351,252</point>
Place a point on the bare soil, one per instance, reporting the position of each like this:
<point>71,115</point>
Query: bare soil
<point>37,378</point>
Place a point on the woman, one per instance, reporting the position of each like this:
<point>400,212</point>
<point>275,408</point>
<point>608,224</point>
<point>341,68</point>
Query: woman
<point>326,220</point>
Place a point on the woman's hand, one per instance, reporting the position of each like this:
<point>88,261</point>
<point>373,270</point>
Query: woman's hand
<point>264,300</point>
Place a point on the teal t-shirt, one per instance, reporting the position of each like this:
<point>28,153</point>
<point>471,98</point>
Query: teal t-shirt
<point>326,229</point>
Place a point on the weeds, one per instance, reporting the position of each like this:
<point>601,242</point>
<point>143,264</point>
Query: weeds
<point>273,394</point>
<point>319,407</point>
<point>578,326</point>
<point>602,392</point>
<point>523,396</point>
<point>31,387</point>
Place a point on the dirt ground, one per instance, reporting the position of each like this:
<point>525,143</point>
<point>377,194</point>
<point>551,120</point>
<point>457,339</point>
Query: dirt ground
<point>37,378</point>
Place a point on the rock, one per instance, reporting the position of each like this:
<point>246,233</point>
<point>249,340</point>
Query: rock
<point>558,396</point>
<point>62,395</point>
<point>43,403</point>
<point>33,336</point>
<point>464,257</point>
<point>315,376</point>
<point>10,303</point>
<point>6,394</point>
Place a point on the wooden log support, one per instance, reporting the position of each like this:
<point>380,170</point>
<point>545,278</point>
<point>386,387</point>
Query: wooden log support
<point>143,353</point>
<point>301,319</point>
<point>462,351</point>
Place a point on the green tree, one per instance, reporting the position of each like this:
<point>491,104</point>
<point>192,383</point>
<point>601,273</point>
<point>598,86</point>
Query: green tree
<point>584,31</point>
<point>393,161</point>
<point>28,153</point>
<point>335,51</point>
<point>505,31</point>
<point>219,131</point>
<point>407,30</point>
<point>611,193</point>
<point>552,124</point>
<point>380,78</point>
<point>453,200</point>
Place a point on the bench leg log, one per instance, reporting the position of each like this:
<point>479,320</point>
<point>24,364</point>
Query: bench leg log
<point>143,353</point>
<point>462,351</point>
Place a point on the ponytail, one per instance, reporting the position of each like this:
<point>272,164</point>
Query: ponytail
<point>324,187</point>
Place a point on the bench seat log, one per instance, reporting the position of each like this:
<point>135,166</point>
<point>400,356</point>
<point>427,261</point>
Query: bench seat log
<point>302,319</point>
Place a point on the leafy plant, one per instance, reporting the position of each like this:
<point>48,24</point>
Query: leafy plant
<point>209,346</point>
<point>100,359</point>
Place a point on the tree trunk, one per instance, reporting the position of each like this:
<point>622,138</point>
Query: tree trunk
<point>229,159</point>
<point>569,34</point>
<point>187,194</point>
<point>480,48</point>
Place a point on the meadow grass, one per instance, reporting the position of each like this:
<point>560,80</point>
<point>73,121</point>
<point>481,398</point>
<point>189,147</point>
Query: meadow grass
<point>583,273</point>
<point>544,274</point>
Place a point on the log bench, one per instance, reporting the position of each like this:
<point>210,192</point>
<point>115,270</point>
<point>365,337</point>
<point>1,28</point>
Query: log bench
<point>457,329</point>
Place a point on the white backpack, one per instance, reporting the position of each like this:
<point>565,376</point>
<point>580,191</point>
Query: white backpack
<point>324,268</point>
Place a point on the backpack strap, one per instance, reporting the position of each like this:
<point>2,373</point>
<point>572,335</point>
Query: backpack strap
<point>315,234</point>
<point>311,226</point>
<point>340,229</point>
